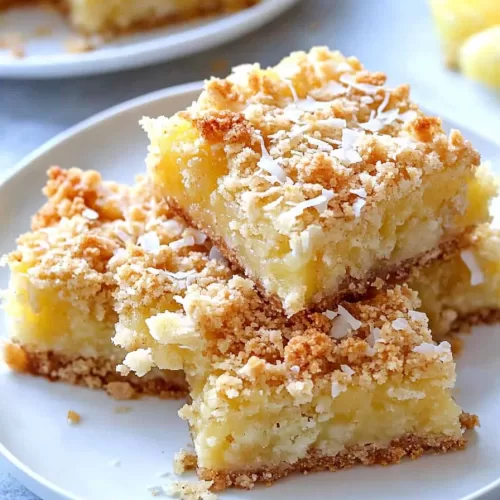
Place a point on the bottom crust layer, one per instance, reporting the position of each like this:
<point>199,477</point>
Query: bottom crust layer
<point>95,373</point>
<point>411,445</point>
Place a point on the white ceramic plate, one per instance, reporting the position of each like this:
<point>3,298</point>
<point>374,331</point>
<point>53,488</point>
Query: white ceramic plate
<point>58,461</point>
<point>46,57</point>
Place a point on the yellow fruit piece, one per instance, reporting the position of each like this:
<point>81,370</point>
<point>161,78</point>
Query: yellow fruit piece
<point>480,57</point>
<point>457,20</point>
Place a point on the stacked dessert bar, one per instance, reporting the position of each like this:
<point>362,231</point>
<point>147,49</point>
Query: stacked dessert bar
<point>299,227</point>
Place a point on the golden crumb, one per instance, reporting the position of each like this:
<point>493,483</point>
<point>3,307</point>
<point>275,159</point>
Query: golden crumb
<point>73,417</point>
<point>121,391</point>
<point>469,421</point>
<point>198,490</point>
<point>184,461</point>
<point>15,357</point>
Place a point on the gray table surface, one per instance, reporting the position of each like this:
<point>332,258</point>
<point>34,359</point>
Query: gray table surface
<point>389,35</point>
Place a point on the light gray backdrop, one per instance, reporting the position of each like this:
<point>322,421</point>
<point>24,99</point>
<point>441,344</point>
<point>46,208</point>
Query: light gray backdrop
<point>389,35</point>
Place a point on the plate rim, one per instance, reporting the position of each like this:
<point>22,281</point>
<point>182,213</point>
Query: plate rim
<point>161,48</point>
<point>113,112</point>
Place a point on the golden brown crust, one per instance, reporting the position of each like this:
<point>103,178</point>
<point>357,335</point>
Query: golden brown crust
<point>412,446</point>
<point>96,373</point>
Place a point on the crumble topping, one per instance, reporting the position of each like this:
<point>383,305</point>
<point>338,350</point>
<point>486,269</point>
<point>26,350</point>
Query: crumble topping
<point>476,273</point>
<point>184,460</point>
<point>230,328</point>
<point>317,122</point>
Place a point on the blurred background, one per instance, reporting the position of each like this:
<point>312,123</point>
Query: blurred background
<point>394,36</point>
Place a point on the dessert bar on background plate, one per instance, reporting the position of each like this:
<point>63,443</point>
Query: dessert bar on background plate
<point>315,178</point>
<point>112,17</point>
<point>152,426</point>
<point>464,289</point>
<point>62,53</point>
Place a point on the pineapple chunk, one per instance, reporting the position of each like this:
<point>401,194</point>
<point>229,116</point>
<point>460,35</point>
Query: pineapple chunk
<point>480,57</point>
<point>457,20</point>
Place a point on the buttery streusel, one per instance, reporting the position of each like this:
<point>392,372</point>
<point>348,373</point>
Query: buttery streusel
<point>319,391</point>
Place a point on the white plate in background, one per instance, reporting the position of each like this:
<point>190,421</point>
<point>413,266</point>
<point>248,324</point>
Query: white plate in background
<point>58,461</point>
<point>47,57</point>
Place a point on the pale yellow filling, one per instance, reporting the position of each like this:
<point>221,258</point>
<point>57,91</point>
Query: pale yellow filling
<point>41,320</point>
<point>262,427</point>
<point>446,289</point>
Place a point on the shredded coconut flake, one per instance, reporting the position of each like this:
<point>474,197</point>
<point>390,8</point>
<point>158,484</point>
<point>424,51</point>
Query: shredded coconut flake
<point>417,315</point>
<point>337,389</point>
<point>374,336</point>
<point>400,324</point>
<point>367,88</point>
<point>340,328</point>
<point>180,275</point>
<point>273,204</point>
<point>347,370</point>
<point>385,102</point>
<point>186,241</point>
<point>428,348</point>
<point>361,192</point>
<point>172,226</point>
<point>90,214</point>
<point>320,203</point>
<point>268,164</point>
<point>199,237</point>
<point>215,254</point>
<point>357,206</point>
<point>347,152</point>
<point>179,299</point>
<point>150,242</point>
<point>330,90</point>
<point>335,123</point>
<point>476,274</point>
<point>377,123</point>
<point>330,314</point>
<point>408,116</point>
<point>353,322</point>
<point>322,145</point>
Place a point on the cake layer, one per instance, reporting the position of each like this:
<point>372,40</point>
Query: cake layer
<point>463,289</point>
<point>315,178</point>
